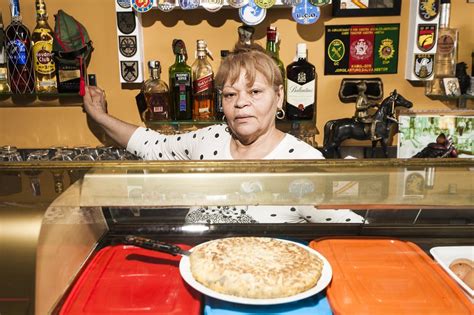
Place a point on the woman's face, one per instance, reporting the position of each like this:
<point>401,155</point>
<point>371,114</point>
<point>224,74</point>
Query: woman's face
<point>250,110</point>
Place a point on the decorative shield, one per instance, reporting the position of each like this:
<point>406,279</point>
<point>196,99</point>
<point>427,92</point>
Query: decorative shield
<point>129,70</point>
<point>142,6</point>
<point>423,65</point>
<point>189,4</point>
<point>426,36</point>
<point>128,45</point>
<point>428,9</point>
<point>336,50</point>
<point>126,22</point>
<point>305,13</point>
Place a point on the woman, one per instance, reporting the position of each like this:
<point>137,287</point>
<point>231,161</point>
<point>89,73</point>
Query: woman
<point>252,89</point>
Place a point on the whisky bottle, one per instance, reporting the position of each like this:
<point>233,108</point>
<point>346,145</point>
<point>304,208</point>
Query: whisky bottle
<point>273,49</point>
<point>42,40</point>
<point>157,95</point>
<point>4,85</point>
<point>18,44</point>
<point>180,75</point>
<point>301,87</point>
<point>218,106</point>
<point>446,54</point>
<point>203,84</point>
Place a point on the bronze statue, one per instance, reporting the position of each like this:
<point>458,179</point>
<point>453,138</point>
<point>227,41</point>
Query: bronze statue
<point>379,129</point>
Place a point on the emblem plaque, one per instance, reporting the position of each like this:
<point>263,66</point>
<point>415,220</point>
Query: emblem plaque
<point>251,14</point>
<point>189,4</point>
<point>423,65</point>
<point>237,3</point>
<point>305,13</point>
<point>428,9</point>
<point>126,22</point>
<point>129,70</point>
<point>212,5</point>
<point>142,6</point>
<point>166,5</point>
<point>265,4</point>
<point>319,3</point>
<point>426,36</point>
<point>128,45</point>
<point>124,4</point>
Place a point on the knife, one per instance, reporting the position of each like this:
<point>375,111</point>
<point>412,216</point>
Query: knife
<point>155,245</point>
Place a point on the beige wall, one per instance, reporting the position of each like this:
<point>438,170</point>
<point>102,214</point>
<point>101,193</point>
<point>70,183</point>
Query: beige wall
<point>37,126</point>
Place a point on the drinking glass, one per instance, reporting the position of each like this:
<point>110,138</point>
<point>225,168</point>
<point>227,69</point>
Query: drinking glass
<point>84,154</point>
<point>10,154</point>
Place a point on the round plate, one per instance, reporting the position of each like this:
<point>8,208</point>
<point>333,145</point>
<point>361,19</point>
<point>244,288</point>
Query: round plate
<point>326,276</point>
<point>251,14</point>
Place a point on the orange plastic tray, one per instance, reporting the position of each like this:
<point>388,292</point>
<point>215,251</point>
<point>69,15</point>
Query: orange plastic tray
<point>130,280</point>
<point>383,276</point>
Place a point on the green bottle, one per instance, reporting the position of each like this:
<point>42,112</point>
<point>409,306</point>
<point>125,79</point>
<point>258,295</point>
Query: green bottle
<point>273,51</point>
<point>180,83</point>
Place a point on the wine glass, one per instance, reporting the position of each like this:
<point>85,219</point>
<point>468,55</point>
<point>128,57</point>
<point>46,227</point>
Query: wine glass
<point>106,154</point>
<point>84,154</point>
<point>10,154</point>
<point>62,154</point>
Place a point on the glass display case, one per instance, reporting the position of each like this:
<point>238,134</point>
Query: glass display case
<point>57,215</point>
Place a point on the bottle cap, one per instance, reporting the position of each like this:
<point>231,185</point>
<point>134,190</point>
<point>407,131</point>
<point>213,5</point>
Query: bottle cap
<point>41,8</point>
<point>154,64</point>
<point>179,48</point>
<point>271,33</point>
<point>301,50</point>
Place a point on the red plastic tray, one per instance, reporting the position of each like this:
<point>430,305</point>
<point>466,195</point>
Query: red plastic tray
<point>130,280</point>
<point>383,276</point>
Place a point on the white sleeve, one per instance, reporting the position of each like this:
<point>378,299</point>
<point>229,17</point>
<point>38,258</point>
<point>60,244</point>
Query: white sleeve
<point>151,145</point>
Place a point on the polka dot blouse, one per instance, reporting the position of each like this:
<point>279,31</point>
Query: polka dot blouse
<point>213,143</point>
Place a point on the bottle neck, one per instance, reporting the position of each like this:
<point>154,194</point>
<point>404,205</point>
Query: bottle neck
<point>445,12</point>
<point>180,58</point>
<point>15,11</point>
<point>272,47</point>
<point>155,74</point>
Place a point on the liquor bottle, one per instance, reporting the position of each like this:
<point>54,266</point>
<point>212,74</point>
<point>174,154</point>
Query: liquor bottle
<point>446,54</point>
<point>157,95</point>
<point>4,85</point>
<point>42,39</point>
<point>273,49</point>
<point>203,84</point>
<point>219,109</point>
<point>20,61</point>
<point>301,87</point>
<point>245,33</point>
<point>180,75</point>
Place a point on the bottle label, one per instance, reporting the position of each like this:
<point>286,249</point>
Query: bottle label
<point>44,63</point>
<point>300,95</point>
<point>203,84</point>
<point>445,44</point>
<point>17,52</point>
<point>182,81</point>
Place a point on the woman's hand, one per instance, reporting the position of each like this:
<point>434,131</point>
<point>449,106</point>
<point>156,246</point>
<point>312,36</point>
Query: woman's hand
<point>95,103</point>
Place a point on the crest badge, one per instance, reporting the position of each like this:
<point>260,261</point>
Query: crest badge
<point>251,14</point>
<point>361,49</point>
<point>124,4</point>
<point>166,5</point>
<point>386,50</point>
<point>128,45</point>
<point>212,5</point>
<point>126,22</point>
<point>426,36</point>
<point>336,50</point>
<point>319,3</point>
<point>265,4</point>
<point>237,3</point>
<point>142,6</point>
<point>129,70</point>
<point>428,9</point>
<point>305,13</point>
<point>189,4</point>
<point>424,64</point>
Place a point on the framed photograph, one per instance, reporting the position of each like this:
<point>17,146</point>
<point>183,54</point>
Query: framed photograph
<point>451,87</point>
<point>414,184</point>
<point>350,8</point>
<point>429,135</point>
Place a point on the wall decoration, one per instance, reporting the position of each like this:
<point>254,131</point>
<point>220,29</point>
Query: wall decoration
<point>128,45</point>
<point>422,39</point>
<point>418,130</point>
<point>451,86</point>
<point>366,7</point>
<point>361,49</point>
<point>129,70</point>
<point>414,184</point>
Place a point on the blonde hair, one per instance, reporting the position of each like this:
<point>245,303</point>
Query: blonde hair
<point>251,60</point>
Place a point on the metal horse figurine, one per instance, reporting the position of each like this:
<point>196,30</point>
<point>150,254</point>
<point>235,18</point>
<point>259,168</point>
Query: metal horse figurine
<point>338,130</point>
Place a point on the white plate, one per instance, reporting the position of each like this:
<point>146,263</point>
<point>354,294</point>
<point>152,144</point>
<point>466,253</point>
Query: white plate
<point>445,255</point>
<point>326,275</point>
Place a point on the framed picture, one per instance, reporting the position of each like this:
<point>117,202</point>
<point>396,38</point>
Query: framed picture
<point>428,135</point>
<point>349,8</point>
<point>451,87</point>
<point>414,184</point>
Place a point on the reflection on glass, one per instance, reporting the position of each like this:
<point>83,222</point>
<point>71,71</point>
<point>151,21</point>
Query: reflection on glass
<point>84,154</point>
<point>62,154</point>
<point>106,154</point>
<point>10,154</point>
<point>38,155</point>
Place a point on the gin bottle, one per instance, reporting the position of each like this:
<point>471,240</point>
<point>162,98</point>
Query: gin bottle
<point>446,54</point>
<point>42,39</point>
<point>18,45</point>
<point>180,75</point>
<point>4,85</point>
<point>203,84</point>
<point>301,87</point>
<point>156,95</point>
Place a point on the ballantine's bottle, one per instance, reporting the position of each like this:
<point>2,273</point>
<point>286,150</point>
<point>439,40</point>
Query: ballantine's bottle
<point>301,87</point>
<point>180,75</point>
<point>446,54</point>
<point>4,85</point>
<point>157,95</point>
<point>42,39</point>
<point>20,61</point>
<point>203,84</point>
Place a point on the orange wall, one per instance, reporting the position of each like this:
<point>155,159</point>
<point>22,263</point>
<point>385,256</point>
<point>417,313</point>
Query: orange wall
<point>37,126</point>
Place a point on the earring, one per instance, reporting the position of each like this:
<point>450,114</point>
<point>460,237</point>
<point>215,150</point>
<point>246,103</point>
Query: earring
<point>280,114</point>
<point>224,119</point>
